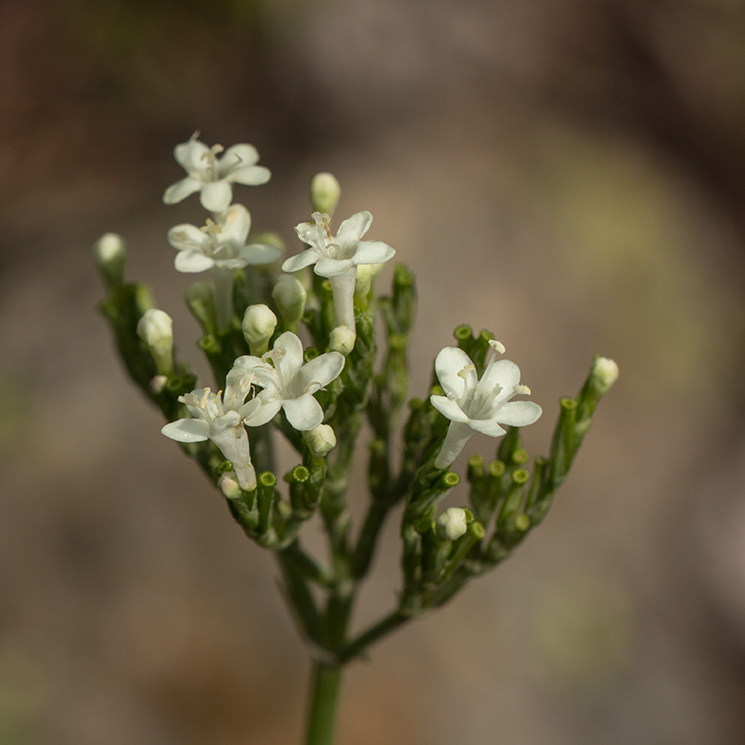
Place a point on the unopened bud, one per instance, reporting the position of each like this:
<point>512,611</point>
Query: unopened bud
<point>320,440</point>
<point>603,374</point>
<point>290,296</point>
<point>111,256</point>
<point>452,523</point>
<point>324,193</point>
<point>366,276</point>
<point>155,328</point>
<point>229,485</point>
<point>341,339</point>
<point>258,326</point>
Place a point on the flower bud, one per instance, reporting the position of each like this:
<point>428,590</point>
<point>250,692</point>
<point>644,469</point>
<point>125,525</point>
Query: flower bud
<point>341,340</point>
<point>320,440</point>
<point>452,523</point>
<point>111,256</point>
<point>324,193</point>
<point>229,485</point>
<point>155,328</point>
<point>366,275</point>
<point>258,326</point>
<point>603,374</point>
<point>290,296</point>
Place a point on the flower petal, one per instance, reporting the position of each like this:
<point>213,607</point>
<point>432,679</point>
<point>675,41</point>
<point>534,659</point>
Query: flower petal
<point>519,413</point>
<point>306,258</point>
<point>187,237</point>
<point>261,414</point>
<point>331,267</point>
<point>373,252</point>
<point>303,413</point>
<point>249,175</point>
<point>504,373</point>
<point>216,196</point>
<point>259,253</point>
<point>181,189</point>
<point>319,372</point>
<point>187,430</point>
<point>455,440</point>
<point>238,156</point>
<point>448,408</point>
<point>291,360</point>
<point>234,224</point>
<point>353,228</point>
<point>310,233</point>
<point>192,261</point>
<point>487,427</point>
<point>448,364</point>
<point>191,156</point>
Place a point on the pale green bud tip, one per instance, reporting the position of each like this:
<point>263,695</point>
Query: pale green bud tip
<point>258,326</point>
<point>229,485</point>
<point>111,256</point>
<point>452,523</point>
<point>290,296</point>
<point>341,340</point>
<point>324,193</point>
<point>604,374</point>
<point>155,328</point>
<point>320,440</point>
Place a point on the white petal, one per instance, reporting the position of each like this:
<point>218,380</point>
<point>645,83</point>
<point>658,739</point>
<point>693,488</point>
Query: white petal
<point>191,155</point>
<point>187,430</point>
<point>303,413</point>
<point>487,427</point>
<point>216,196</point>
<point>319,372</point>
<point>261,414</point>
<point>192,261</point>
<point>292,359</point>
<point>332,267</point>
<point>234,225</point>
<point>310,233</point>
<point>448,364</point>
<point>448,408</point>
<point>519,413</point>
<point>249,175</point>
<point>353,228</point>
<point>257,254</point>
<point>181,189</point>
<point>372,252</point>
<point>306,258</point>
<point>455,440</point>
<point>237,156</point>
<point>504,373</point>
<point>187,237</point>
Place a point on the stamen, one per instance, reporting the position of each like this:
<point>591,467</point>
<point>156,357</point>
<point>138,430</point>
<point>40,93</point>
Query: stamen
<point>467,369</point>
<point>211,227</point>
<point>521,390</point>
<point>497,346</point>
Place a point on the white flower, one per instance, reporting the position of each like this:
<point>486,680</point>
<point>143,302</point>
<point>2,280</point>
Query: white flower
<point>474,405</point>
<point>288,383</point>
<point>452,523</point>
<point>337,257</point>
<point>221,419</point>
<point>220,244</point>
<point>212,175</point>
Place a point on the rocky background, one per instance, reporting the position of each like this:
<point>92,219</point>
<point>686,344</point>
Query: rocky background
<point>570,176</point>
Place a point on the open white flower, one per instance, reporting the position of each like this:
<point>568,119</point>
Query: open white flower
<point>212,175</point>
<point>474,405</point>
<point>220,243</point>
<point>288,383</point>
<point>337,257</point>
<point>222,419</point>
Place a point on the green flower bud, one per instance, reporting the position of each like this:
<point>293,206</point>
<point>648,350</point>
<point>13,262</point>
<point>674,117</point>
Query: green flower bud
<point>324,193</point>
<point>452,523</point>
<point>603,374</point>
<point>258,326</point>
<point>229,485</point>
<point>320,440</point>
<point>341,340</point>
<point>155,328</point>
<point>111,256</point>
<point>290,297</point>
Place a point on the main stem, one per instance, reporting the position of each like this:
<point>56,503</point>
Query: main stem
<point>323,704</point>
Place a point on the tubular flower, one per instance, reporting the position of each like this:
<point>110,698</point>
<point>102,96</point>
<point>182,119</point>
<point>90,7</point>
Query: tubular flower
<point>220,244</point>
<point>222,419</point>
<point>337,257</point>
<point>288,383</point>
<point>213,176</point>
<point>474,405</point>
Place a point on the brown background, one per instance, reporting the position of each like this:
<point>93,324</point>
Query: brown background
<point>570,176</point>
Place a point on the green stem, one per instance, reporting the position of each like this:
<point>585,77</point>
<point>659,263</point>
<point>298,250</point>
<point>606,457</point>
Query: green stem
<point>322,714</point>
<point>373,634</point>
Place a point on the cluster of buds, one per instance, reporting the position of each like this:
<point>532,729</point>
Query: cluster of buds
<point>295,352</point>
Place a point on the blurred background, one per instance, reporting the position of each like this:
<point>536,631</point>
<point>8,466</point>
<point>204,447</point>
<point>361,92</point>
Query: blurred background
<point>570,176</point>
